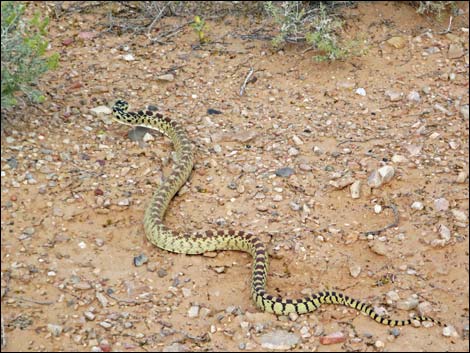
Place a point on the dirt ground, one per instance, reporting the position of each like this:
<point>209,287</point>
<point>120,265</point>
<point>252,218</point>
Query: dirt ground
<point>75,187</point>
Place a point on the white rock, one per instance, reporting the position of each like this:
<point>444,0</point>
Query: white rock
<point>56,330</point>
<point>444,232</point>
<point>361,91</point>
<point>461,177</point>
<point>148,137</point>
<point>394,96</point>
<point>374,180</point>
<point>102,109</point>
<point>441,204</point>
<point>386,173</point>
<point>279,339</point>
<point>128,57</point>
<point>356,189</point>
<point>417,205</point>
<point>166,77</point>
<point>193,311</point>
<point>464,111</point>
<point>297,140</point>
<point>459,215</point>
<point>414,96</point>
<point>450,331</point>
<point>377,209</point>
<point>399,159</point>
<point>355,270</point>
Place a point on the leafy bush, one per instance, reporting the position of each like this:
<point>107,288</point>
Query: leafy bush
<point>300,22</point>
<point>434,7</point>
<point>23,49</point>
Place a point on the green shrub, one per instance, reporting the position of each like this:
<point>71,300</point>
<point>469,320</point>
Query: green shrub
<point>301,21</point>
<point>23,49</point>
<point>435,8</point>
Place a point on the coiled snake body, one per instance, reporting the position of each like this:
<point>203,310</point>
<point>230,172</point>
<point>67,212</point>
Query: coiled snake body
<point>211,240</point>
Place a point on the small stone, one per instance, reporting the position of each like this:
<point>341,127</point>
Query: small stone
<point>355,270</point>
<point>341,183</point>
<point>444,232</point>
<point>399,159</point>
<point>393,296</point>
<point>394,96</point>
<point>379,344</point>
<point>374,180</point>
<point>408,304</point>
<point>355,189</point>
<point>124,202</point>
<point>55,330</point>
<point>279,339</point>
<point>284,172</point>
<point>397,42</point>
<point>101,110</point>
<point>414,150</point>
<point>459,215</point>
<point>417,205</point>
<point>333,338</point>
<point>293,152</point>
<point>450,331</point>
<point>377,209</point>
<point>148,137</point>
<point>414,97</point>
<point>361,91</point>
<point>193,311</point>
<point>107,325</point>
<point>89,315</point>
<point>297,140</point>
<point>166,77</point>
<point>441,204</point>
<point>464,111</point>
<point>455,51</point>
<point>379,248</point>
<point>395,332</point>
<point>461,178</point>
<point>425,308</point>
<point>140,260</point>
<point>162,273</point>
<point>386,173</point>
<point>128,57</point>
<point>305,167</point>
<point>186,292</point>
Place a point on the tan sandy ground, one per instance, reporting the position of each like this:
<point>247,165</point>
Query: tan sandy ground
<point>72,208</point>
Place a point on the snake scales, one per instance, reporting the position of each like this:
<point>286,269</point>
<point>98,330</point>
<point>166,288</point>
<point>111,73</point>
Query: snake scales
<point>211,240</point>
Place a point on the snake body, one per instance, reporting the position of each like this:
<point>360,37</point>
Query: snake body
<point>228,239</point>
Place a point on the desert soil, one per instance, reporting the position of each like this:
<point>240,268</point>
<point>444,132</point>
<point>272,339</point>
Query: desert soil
<point>75,186</point>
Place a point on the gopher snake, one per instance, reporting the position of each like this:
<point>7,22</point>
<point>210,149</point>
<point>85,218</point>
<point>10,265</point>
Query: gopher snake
<point>211,240</point>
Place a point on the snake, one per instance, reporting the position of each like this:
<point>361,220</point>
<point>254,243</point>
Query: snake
<point>200,242</point>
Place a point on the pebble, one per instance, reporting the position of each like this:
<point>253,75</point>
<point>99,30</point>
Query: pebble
<point>89,315</point>
<point>394,96</point>
<point>297,140</point>
<point>333,338</point>
<point>250,168</point>
<point>461,178</point>
<point>193,311</point>
<point>425,308</point>
<point>124,202</point>
<point>102,109</point>
<point>341,183</point>
<point>377,209</point>
<point>379,248</point>
<point>361,91</point>
<point>399,159</point>
<point>147,137</point>
<point>395,332</point>
<point>379,344</point>
<point>444,232</point>
<point>140,260</point>
<point>455,51</point>
<point>441,204</point>
<point>285,172</point>
<point>397,42</point>
<point>305,167</point>
<point>417,205</point>
<point>54,329</point>
<point>279,339</point>
<point>464,111</point>
<point>450,331</point>
<point>166,77</point>
<point>138,133</point>
<point>408,304</point>
<point>293,152</point>
<point>414,97</point>
<point>162,273</point>
<point>386,173</point>
<point>356,189</point>
<point>459,215</point>
<point>355,270</point>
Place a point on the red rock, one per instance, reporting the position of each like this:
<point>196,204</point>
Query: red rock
<point>336,337</point>
<point>67,41</point>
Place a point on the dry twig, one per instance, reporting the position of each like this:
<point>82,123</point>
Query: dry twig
<point>247,79</point>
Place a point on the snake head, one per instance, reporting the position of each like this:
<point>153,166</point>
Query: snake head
<point>120,105</point>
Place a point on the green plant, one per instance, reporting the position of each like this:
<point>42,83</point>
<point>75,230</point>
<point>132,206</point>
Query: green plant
<point>434,7</point>
<point>300,22</point>
<point>199,25</point>
<point>23,49</point>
